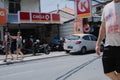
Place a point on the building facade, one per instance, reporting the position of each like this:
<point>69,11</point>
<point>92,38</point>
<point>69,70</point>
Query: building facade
<point>44,30</point>
<point>38,29</point>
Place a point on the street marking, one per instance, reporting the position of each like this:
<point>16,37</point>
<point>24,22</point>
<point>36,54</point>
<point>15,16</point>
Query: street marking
<point>73,71</point>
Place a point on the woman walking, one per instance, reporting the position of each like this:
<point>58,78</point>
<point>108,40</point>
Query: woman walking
<point>7,44</point>
<point>19,45</point>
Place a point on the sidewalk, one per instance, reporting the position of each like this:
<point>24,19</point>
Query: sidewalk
<point>30,57</point>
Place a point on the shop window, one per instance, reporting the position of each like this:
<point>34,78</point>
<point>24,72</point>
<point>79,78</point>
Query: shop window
<point>14,6</point>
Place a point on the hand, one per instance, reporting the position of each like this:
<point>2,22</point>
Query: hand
<point>3,46</point>
<point>97,50</point>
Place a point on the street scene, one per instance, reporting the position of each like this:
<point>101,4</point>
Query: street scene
<point>59,40</point>
<point>56,66</point>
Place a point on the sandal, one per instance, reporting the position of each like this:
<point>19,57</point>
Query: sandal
<point>5,60</point>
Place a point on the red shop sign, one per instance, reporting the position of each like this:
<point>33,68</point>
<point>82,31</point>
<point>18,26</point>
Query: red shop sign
<point>24,17</point>
<point>41,17</point>
<point>3,19</point>
<point>83,8</point>
<point>55,17</point>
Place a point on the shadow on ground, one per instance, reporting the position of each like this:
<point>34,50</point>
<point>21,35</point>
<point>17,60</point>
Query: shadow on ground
<point>78,53</point>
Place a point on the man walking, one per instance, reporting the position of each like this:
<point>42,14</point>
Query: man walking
<point>110,30</point>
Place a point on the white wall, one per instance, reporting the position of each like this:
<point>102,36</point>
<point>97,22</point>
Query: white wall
<point>66,29</point>
<point>30,5</point>
<point>1,4</point>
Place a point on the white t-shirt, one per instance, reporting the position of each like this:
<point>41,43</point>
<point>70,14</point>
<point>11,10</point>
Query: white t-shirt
<point>111,16</point>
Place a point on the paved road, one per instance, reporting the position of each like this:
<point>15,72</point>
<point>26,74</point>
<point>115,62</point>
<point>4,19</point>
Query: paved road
<point>73,67</point>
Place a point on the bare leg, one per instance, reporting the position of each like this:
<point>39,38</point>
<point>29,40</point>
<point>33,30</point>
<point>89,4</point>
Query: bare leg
<point>6,55</point>
<point>21,53</point>
<point>118,75</point>
<point>17,53</point>
<point>112,76</point>
<point>11,55</point>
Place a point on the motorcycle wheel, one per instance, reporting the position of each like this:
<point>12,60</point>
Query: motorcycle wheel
<point>35,51</point>
<point>47,50</point>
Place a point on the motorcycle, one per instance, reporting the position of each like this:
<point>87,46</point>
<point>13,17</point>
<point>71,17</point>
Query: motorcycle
<point>39,47</point>
<point>1,48</point>
<point>57,46</point>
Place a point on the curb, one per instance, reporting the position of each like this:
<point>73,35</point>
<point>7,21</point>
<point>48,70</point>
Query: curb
<point>19,61</point>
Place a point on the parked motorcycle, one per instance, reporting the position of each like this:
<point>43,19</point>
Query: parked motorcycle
<point>40,47</point>
<point>57,46</point>
<point>1,48</point>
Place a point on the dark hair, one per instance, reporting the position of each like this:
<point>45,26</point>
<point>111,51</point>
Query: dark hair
<point>6,31</point>
<point>19,32</point>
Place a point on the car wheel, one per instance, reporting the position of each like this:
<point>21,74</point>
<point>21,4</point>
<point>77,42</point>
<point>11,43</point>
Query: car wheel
<point>67,51</point>
<point>83,50</point>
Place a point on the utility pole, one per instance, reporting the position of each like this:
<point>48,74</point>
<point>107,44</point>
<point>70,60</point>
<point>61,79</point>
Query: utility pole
<point>57,8</point>
<point>39,5</point>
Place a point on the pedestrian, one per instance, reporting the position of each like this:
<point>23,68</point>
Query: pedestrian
<point>7,45</point>
<point>110,31</point>
<point>18,45</point>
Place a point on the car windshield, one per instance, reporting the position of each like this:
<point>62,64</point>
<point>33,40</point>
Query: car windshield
<point>72,37</point>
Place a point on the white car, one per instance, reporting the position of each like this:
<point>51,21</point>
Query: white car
<point>80,43</point>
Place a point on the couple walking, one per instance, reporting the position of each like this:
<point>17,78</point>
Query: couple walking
<point>7,45</point>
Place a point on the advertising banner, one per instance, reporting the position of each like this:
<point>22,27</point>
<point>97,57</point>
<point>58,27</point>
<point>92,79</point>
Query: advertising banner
<point>55,17</point>
<point>3,18</point>
<point>24,17</point>
<point>83,8</point>
<point>78,26</point>
<point>36,17</point>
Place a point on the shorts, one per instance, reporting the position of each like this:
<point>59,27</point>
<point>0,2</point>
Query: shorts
<point>19,46</point>
<point>111,59</point>
<point>7,47</point>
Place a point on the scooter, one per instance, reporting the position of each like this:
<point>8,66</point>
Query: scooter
<point>39,47</point>
<point>57,46</point>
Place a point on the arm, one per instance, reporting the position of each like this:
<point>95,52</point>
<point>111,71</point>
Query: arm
<point>100,37</point>
<point>20,37</point>
<point>13,37</point>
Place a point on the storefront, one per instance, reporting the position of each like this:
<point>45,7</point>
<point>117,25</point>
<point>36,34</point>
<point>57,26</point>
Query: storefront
<point>35,24</point>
